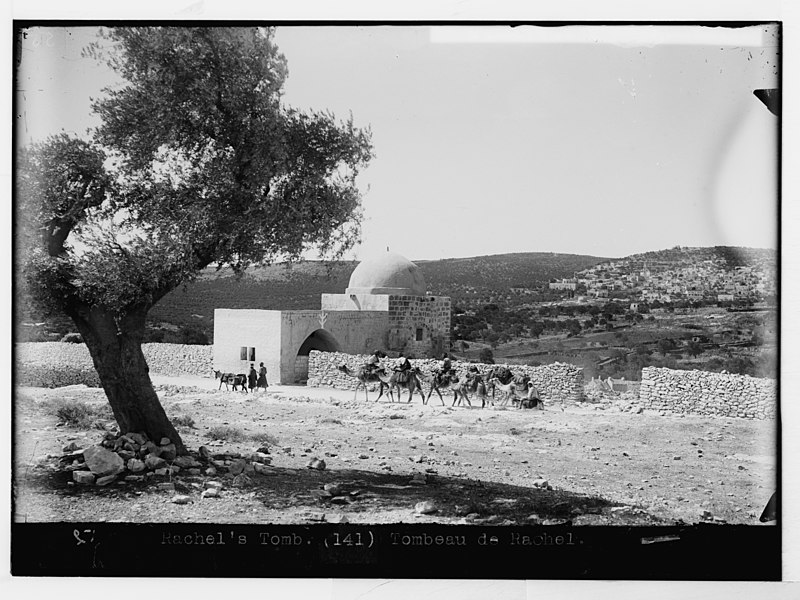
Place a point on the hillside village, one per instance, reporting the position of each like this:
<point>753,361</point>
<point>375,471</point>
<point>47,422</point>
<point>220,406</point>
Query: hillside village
<point>688,274</point>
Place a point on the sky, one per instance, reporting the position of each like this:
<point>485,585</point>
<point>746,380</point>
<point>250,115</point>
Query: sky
<point>605,141</point>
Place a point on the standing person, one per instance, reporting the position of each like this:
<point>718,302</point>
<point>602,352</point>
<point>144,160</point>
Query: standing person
<point>252,377</point>
<point>262,377</point>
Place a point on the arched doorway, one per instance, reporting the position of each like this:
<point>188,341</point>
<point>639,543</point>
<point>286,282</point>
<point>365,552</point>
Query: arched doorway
<point>317,340</point>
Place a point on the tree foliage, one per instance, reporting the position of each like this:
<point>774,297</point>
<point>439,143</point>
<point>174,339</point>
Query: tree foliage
<point>197,161</point>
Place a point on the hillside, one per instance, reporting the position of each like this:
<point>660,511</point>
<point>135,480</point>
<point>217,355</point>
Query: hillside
<point>509,281</point>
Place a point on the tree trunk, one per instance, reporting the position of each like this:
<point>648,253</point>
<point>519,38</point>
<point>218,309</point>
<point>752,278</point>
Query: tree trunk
<point>115,345</point>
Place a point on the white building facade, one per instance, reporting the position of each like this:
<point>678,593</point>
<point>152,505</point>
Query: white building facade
<point>385,307</point>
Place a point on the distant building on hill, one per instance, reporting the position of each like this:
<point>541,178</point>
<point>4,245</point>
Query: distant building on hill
<point>385,307</point>
<point>564,284</point>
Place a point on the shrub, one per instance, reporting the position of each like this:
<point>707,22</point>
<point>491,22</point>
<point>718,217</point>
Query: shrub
<point>486,356</point>
<point>182,421</point>
<point>227,433</point>
<point>78,414</point>
<point>264,438</point>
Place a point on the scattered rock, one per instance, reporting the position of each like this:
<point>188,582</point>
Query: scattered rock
<point>185,462</point>
<point>168,452</point>
<point>135,465</point>
<point>242,480</point>
<point>237,466</point>
<point>264,469</point>
<point>341,500</point>
<point>418,479</point>
<point>425,508</point>
<point>204,452</point>
<point>105,480</point>
<point>316,463</point>
<point>83,477</point>
<point>154,462</point>
<point>336,519</point>
<point>540,483</point>
<point>71,447</point>
<point>180,499</point>
<point>261,457</point>
<point>333,488</point>
<point>166,487</point>
<point>210,493</point>
<point>103,462</point>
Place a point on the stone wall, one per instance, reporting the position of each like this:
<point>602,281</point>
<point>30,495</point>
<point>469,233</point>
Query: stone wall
<point>706,393</point>
<point>555,382</point>
<point>428,314</point>
<point>56,364</point>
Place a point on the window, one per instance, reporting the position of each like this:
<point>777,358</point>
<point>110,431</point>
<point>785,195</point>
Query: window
<point>419,334</point>
<point>252,354</point>
<point>243,353</point>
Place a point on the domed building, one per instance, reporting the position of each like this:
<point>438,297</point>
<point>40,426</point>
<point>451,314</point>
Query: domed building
<point>385,307</point>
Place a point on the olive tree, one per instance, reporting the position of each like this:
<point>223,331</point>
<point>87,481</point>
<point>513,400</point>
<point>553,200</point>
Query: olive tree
<point>197,162</point>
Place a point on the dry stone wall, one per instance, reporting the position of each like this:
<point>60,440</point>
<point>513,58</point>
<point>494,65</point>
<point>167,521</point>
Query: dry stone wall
<point>706,393</point>
<point>555,382</point>
<point>57,364</point>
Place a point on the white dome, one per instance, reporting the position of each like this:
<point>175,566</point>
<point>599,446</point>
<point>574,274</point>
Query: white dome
<point>387,273</point>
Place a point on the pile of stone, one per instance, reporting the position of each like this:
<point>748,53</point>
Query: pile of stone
<point>555,382</point>
<point>706,393</point>
<point>133,458</point>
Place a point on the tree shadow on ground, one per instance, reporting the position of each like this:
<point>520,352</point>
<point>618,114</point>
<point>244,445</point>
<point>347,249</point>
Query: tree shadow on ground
<point>358,493</point>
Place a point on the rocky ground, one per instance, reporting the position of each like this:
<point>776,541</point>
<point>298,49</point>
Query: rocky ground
<point>305,455</point>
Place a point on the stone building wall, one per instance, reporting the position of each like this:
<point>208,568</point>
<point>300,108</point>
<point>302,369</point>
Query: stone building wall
<point>706,393</point>
<point>429,314</point>
<point>56,364</point>
<point>555,382</point>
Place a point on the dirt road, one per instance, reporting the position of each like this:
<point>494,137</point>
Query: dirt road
<point>494,465</point>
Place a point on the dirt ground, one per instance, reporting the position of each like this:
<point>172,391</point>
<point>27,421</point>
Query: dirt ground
<point>481,466</point>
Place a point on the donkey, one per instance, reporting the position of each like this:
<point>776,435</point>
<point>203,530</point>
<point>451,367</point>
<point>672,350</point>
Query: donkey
<point>240,379</point>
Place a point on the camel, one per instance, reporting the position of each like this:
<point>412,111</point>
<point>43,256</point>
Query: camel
<point>365,376</point>
<point>508,390</point>
<point>410,382</point>
<point>459,388</point>
<point>505,376</point>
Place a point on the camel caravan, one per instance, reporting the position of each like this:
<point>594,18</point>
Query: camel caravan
<point>500,381</point>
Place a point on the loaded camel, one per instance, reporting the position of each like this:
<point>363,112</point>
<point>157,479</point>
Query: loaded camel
<point>438,383</point>
<point>400,380</point>
<point>508,390</point>
<point>365,375</point>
